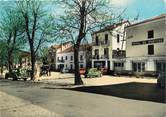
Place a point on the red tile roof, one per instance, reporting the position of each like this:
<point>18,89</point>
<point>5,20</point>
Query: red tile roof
<point>71,49</point>
<point>59,46</point>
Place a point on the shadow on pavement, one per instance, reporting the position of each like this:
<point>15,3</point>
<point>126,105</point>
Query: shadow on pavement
<point>133,90</point>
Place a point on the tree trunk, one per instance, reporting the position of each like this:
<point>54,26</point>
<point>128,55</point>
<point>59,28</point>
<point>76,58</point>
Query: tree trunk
<point>10,61</point>
<point>78,80</point>
<point>33,61</point>
<point>2,69</point>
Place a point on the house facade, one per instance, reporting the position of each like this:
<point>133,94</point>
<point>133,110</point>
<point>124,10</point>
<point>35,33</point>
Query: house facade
<point>65,58</point>
<point>108,49</point>
<point>146,46</point>
<point>53,51</point>
<point>24,59</point>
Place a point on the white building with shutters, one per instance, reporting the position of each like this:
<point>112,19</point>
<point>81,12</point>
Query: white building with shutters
<point>146,46</point>
<point>109,47</point>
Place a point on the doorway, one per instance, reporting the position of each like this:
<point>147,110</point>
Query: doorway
<point>138,66</point>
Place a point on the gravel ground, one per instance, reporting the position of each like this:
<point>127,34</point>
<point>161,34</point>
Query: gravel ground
<point>51,97</point>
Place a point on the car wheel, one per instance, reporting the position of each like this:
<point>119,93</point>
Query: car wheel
<point>6,76</point>
<point>25,79</point>
<point>15,78</point>
<point>158,84</point>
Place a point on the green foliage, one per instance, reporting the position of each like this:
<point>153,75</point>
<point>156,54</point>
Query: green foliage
<point>3,55</point>
<point>11,33</point>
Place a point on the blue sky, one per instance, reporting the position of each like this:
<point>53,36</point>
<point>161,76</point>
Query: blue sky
<point>145,8</point>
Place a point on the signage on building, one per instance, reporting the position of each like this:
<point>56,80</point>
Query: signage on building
<point>159,40</point>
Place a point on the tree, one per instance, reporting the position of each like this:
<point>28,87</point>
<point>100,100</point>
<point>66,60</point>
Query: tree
<point>37,26</point>
<point>11,34</point>
<point>43,54</point>
<point>3,51</point>
<point>80,18</point>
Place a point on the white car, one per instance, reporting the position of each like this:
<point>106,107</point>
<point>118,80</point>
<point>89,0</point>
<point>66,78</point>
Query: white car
<point>65,70</point>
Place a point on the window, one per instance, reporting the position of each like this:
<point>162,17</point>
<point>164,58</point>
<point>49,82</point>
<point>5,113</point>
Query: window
<point>116,64</point>
<point>71,66</point>
<point>143,67</point>
<point>150,49</point>
<point>118,38</point>
<point>106,52</point>
<point>106,39</point>
<point>71,58</point>
<point>150,34</point>
<point>81,65</point>
<point>81,57</point>
<point>52,60</point>
<point>96,56</point>
<point>134,67</point>
<point>96,52</point>
<point>66,57</point>
<point>97,40</point>
<point>138,67</point>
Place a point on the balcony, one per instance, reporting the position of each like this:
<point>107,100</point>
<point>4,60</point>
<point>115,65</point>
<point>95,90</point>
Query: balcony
<point>104,56</point>
<point>95,56</point>
<point>101,43</point>
<point>100,57</point>
<point>96,44</point>
<point>104,43</point>
<point>117,54</point>
<point>60,61</point>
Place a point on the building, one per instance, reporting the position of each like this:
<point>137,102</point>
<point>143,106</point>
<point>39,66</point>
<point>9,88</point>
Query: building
<point>108,47</point>
<point>146,46</point>
<point>65,58</point>
<point>53,51</point>
<point>62,56</point>
<point>24,59</point>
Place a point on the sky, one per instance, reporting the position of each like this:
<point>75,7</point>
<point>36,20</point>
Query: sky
<point>145,8</point>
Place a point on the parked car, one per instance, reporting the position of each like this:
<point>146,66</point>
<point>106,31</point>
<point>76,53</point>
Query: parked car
<point>104,70</point>
<point>161,81</point>
<point>64,70</point>
<point>18,73</point>
<point>44,70</point>
<point>82,71</point>
<point>93,72</point>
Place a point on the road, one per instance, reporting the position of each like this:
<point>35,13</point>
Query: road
<point>29,99</point>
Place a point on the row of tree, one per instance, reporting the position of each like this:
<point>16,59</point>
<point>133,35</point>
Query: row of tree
<point>29,25</point>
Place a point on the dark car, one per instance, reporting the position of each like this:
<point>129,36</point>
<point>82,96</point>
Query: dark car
<point>18,73</point>
<point>44,70</point>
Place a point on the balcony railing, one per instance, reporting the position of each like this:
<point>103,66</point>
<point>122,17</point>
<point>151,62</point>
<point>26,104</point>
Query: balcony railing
<point>100,57</point>
<point>61,61</point>
<point>104,56</point>
<point>95,56</point>
<point>101,43</point>
<point>118,54</point>
<point>105,43</point>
